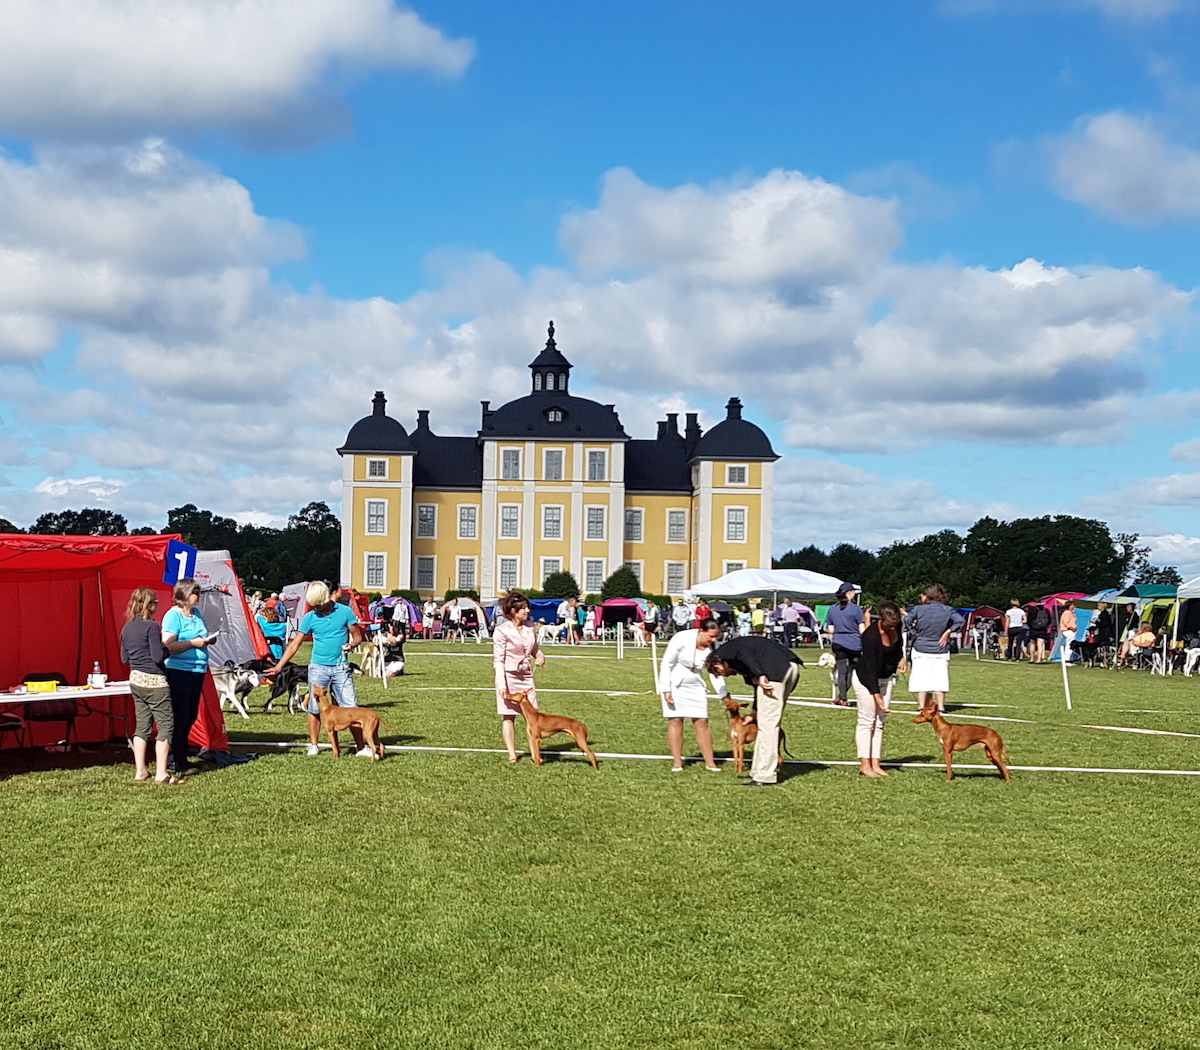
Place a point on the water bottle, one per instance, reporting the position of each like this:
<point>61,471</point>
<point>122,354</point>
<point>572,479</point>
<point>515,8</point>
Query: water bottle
<point>97,678</point>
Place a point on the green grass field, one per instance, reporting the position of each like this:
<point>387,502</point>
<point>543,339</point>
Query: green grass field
<point>444,899</point>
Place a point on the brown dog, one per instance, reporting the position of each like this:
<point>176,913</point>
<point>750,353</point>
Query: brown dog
<point>335,718</point>
<point>743,731</point>
<point>539,725</point>
<point>957,736</point>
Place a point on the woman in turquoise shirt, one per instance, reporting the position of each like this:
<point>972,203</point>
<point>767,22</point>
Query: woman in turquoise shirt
<point>187,640</point>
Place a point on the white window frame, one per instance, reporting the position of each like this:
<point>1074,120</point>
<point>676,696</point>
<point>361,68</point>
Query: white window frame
<point>515,518</point>
<point>382,473</point>
<point>639,570</point>
<point>546,570</point>
<point>505,454</point>
<point>382,515</point>
<point>554,415</point>
<point>734,566</point>
<point>587,522</point>
<point>561,516</point>
<point>368,557</point>
<point>516,572</point>
<point>745,524</point>
<point>474,519</point>
<point>638,515</point>
<point>426,535</point>
<point>432,560</point>
<point>731,467</point>
<point>677,510</point>
<point>562,464</point>
<point>459,562</point>
<point>667,567</point>
<point>587,576</point>
<point>603,454</point>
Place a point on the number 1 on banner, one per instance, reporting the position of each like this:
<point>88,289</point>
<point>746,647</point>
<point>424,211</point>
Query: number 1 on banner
<point>181,562</point>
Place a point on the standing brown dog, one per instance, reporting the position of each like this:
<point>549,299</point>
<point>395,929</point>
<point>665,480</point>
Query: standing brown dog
<point>335,718</point>
<point>538,726</point>
<point>957,736</point>
<point>743,731</point>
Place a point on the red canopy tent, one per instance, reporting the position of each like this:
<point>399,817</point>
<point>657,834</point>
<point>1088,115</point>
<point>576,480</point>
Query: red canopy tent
<point>64,600</point>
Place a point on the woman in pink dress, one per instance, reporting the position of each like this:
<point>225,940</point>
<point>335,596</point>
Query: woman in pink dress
<point>515,653</point>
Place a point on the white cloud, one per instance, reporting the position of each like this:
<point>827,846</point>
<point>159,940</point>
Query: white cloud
<point>1187,451</point>
<point>1124,167</point>
<point>95,488</point>
<point>99,68</point>
<point>1175,490</point>
<point>1174,548</point>
<point>1132,10</point>
<point>207,382</point>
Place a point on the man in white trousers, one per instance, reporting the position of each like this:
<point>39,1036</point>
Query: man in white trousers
<point>772,670</point>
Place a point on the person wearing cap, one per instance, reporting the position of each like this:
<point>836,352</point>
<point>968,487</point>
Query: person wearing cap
<point>846,621</point>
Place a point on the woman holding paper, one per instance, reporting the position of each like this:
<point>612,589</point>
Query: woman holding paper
<point>187,641</point>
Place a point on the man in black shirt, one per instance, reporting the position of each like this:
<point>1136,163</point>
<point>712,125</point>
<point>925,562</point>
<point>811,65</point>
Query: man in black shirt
<point>772,671</point>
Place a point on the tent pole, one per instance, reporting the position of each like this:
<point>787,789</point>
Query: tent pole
<point>620,639</point>
<point>1066,684</point>
<point>654,659</point>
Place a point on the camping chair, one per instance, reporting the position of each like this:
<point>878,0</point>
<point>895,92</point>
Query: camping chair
<point>11,722</point>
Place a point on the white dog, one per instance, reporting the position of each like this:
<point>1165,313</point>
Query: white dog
<point>550,632</point>
<point>828,660</point>
<point>234,684</point>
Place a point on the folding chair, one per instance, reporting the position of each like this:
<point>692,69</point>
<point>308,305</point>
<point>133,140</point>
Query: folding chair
<point>11,722</point>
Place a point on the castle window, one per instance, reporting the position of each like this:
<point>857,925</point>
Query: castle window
<point>510,521</point>
<point>633,525</point>
<point>376,517</point>
<point>595,523</point>
<point>508,574</point>
<point>466,574</point>
<point>635,567</point>
<point>426,521</point>
<point>555,415</point>
<point>550,566</point>
<point>376,570</point>
<point>597,465</point>
<point>593,575</point>
<point>735,474</point>
<point>735,525</point>
<point>426,573</point>
<point>677,526</point>
<point>537,380</point>
<point>562,381</point>
<point>552,523</point>
<point>554,464</point>
<point>510,464</point>
<point>676,579</point>
<point>377,468</point>
<point>467,518</point>
<point>734,566</point>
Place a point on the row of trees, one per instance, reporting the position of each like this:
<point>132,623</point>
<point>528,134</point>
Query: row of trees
<point>994,562</point>
<point>266,558</point>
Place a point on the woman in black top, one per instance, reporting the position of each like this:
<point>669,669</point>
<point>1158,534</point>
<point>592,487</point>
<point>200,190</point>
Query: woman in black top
<point>874,676</point>
<point>143,650</point>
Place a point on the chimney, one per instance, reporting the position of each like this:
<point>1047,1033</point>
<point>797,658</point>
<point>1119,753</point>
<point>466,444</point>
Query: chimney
<point>379,404</point>
<point>672,424</point>
<point>487,414</point>
<point>691,433</point>
<point>662,429</point>
<point>733,410</point>
<point>422,419</point>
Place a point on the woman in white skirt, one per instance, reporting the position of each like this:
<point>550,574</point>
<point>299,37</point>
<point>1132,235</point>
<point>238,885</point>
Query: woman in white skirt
<point>929,627</point>
<point>684,694</point>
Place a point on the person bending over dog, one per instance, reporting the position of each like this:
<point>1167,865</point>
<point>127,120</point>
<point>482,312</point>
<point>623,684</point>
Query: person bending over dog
<point>515,653</point>
<point>333,629</point>
<point>773,671</point>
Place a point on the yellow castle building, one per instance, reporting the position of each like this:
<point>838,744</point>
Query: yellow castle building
<point>552,482</point>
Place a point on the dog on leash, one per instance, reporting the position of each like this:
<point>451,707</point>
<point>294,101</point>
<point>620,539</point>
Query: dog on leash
<point>551,632</point>
<point>539,725</point>
<point>829,661</point>
<point>958,736</point>
<point>235,682</point>
<point>743,730</point>
<point>335,719</point>
<point>287,683</point>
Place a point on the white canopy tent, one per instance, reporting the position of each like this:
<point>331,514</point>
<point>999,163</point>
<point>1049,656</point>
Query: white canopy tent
<point>1189,589</point>
<point>801,584</point>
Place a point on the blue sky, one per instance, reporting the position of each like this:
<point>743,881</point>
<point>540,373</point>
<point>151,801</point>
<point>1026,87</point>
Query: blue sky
<point>945,251</point>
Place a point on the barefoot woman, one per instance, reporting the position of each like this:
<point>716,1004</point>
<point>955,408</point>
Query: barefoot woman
<point>515,653</point>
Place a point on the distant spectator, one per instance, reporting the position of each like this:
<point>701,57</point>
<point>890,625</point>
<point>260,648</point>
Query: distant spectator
<point>701,613</point>
<point>1039,631</point>
<point>845,621</point>
<point>274,631</point>
<point>789,615</point>
<point>1018,632</point>
<point>1067,626</point>
<point>1102,625</point>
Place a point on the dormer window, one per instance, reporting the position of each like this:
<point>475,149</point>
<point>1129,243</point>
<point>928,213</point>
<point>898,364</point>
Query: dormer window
<point>555,415</point>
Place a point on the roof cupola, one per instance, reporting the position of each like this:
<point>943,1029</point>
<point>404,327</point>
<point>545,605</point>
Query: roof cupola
<point>551,371</point>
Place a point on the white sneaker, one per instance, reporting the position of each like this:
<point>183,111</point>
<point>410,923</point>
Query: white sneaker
<point>313,750</point>
<point>364,752</point>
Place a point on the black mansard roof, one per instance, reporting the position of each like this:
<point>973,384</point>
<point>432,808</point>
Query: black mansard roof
<point>445,462</point>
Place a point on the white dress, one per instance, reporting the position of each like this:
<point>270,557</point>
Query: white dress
<point>682,665</point>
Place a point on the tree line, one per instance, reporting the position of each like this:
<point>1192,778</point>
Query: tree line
<point>267,559</point>
<point>994,562</point>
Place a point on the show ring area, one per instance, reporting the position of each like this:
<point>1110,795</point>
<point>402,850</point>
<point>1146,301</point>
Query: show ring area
<point>443,898</point>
